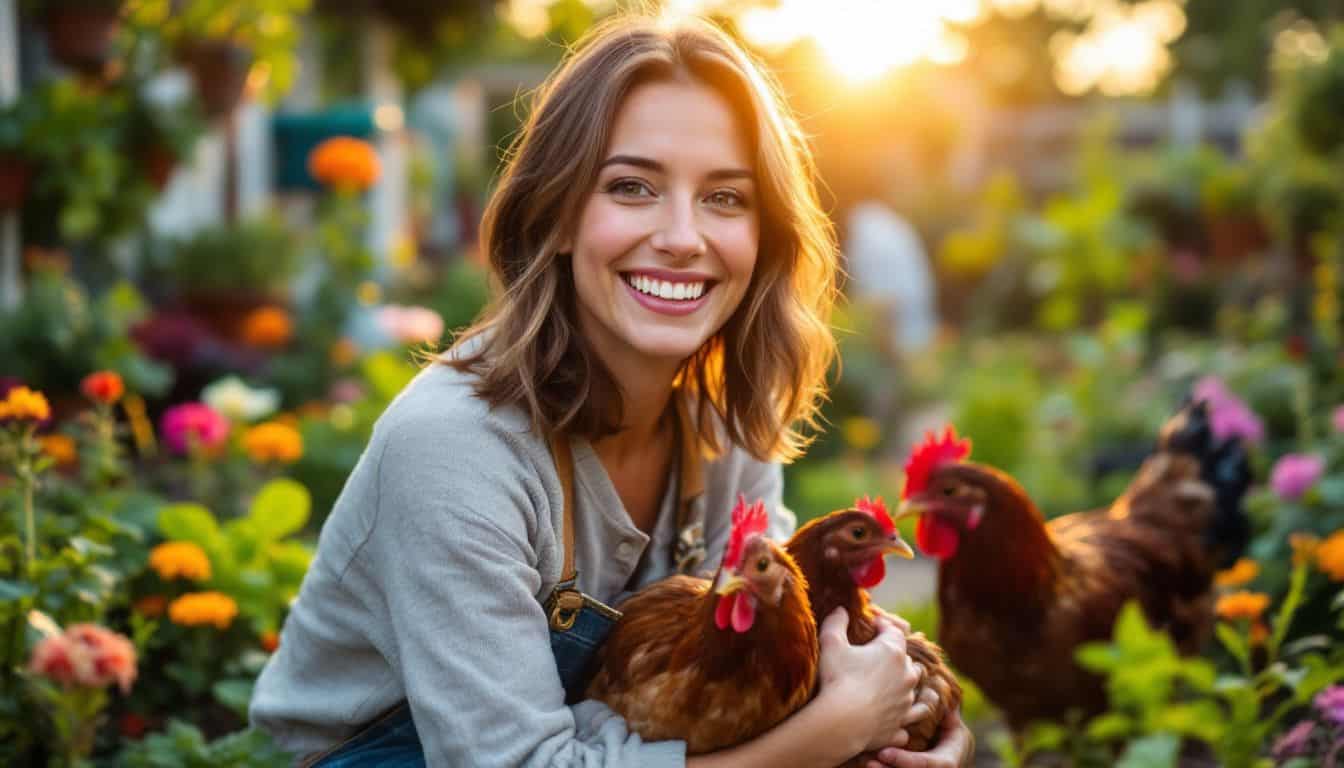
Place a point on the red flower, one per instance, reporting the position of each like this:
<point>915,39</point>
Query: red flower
<point>103,387</point>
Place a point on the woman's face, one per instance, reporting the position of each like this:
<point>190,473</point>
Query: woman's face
<point>667,239</point>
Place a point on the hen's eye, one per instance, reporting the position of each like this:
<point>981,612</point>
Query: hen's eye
<point>949,491</point>
<point>762,564</point>
<point>860,532</point>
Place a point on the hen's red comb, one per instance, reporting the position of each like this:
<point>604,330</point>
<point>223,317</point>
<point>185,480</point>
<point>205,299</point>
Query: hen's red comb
<point>878,509</point>
<point>746,521</point>
<point>936,449</point>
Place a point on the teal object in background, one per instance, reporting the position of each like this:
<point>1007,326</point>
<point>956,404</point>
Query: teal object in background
<point>296,134</point>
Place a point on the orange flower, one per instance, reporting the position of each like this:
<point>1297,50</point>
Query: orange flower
<point>270,641</point>
<point>273,441</point>
<point>1242,605</point>
<point>151,606</point>
<point>1304,547</point>
<point>201,608</point>
<point>343,352</point>
<point>343,162</point>
<point>24,404</point>
<point>1259,632</point>
<point>180,560</point>
<point>61,448</point>
<point>1243,572</point>
<point>1330,556</point>
<point>103,387</point>
<point>268,328</point>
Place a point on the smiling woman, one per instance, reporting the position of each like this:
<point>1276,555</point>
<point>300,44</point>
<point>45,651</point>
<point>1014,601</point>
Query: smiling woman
<point>659,337</point>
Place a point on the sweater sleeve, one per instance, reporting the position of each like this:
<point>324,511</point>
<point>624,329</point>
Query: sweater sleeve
<point>451,553</point>
<point>755,480</point>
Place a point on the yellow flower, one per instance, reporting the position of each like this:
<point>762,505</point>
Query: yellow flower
<point>1242,605</point>
<point>268,328</point>
<point>201,608</point>
<point>861,433</point>
<point>273,441</point>
<point>1304,547</point>
<point>61,448</point>
<point>180,560</point>
<point>1243,572</point>
<point>345,163</point>
<point>24,404</point>
<point>1330,556</point>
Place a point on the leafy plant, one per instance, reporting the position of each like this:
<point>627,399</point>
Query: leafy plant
<point>182,745</point>
<point>255,256</point>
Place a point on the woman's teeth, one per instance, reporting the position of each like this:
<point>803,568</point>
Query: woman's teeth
<point>665,290</point>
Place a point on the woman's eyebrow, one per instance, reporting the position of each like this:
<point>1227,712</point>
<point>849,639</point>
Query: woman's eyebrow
<point>657,167</point>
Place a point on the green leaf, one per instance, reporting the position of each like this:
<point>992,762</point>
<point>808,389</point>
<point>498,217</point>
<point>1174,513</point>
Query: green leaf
<point>14,591</point>
<point>234,694</point>
<point>1098,657</point>
<point>191,522</point>
<point>1285,616</point>
<point>280,509</point>
<point>1044,736</point>
<point>1109,726</point>
<point>1156,751</point>
<point>1235,644</point>
<point>290,561</point>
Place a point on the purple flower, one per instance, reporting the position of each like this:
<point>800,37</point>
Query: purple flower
<point>1337,418</point>
<point>1330,703</point>
<point>198,422</point>
<point>1295,742</point>
<point>1229,415</point>
<point>1295,473</point>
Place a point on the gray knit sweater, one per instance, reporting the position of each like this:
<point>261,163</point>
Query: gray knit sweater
<point>429,577</point>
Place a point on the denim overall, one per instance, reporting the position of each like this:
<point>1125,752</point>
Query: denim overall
<point>579,624</point>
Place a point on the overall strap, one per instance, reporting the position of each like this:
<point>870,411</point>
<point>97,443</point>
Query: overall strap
<point>567,599</point>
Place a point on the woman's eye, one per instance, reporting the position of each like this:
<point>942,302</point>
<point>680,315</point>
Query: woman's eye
<point>859,533</point>
<point>629,188</point>
<point>726,198</point>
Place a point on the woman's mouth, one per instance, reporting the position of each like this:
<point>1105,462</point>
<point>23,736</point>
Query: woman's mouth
<point>665,296</point>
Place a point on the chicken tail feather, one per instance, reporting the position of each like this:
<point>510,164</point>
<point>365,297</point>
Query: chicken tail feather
<point>1224,466</point>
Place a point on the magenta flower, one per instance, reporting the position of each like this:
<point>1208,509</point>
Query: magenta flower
<point>1337,419</point>
<point>1295,473</point>
<point>1229,415</point>
<point>1296,742</point>
<point>193,422</point>
<point>1330,703</point>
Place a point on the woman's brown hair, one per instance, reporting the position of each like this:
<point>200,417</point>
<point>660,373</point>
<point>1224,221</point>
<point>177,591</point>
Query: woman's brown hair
<point>765,371</point>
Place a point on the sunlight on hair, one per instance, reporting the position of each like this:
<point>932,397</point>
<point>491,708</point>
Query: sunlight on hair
<point>865,39</point>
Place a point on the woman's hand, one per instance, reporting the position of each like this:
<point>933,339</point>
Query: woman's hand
<point>954,749</point>
<point>874,685</point>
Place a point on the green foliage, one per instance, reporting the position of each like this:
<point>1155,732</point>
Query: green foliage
<point>251,558</point>
<point>258,256</point>
<point>183,746</point>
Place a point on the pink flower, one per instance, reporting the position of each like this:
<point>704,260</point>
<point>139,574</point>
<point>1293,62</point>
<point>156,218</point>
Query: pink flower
<point>1229,415</point>
<point>59,659</point>
<point>1295,742</point>
<point>411,325</point>
<point>1295,473</point>
<point>1330,703</point>
<point>198,422</point>
<point>1337,419</point>
<point>113,656</point>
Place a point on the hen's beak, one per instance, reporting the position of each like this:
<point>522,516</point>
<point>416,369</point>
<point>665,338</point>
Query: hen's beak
<point>908,508</point>
<point>897,546</point>
<point>728,583</point>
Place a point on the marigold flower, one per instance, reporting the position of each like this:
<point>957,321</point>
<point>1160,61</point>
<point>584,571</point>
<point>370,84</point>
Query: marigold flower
<point>273,441</point>
<point>270,641</point>
<point>268,328</point>
<point>1295,473</point>
<point>198,422</point>
<point>1330,556</point>
<point>345,163</point>
<point>61,448</point>
<point>180,560</point>
<point>1242,605</point>
<point>200,608</point>
<point>24,404</point>
<point>103,387</point>
<point>1243,572</point>
<point>861,433</point>
<point>1304,546</point>
<point>113,656</point>
<point>151,606</point>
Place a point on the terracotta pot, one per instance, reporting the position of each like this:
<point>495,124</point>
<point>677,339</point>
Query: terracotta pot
<point>14,177</point>
<point>80,37</point>
<point>219,70</point>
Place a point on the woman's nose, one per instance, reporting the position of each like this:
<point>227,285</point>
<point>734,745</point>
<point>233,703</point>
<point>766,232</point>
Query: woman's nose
<point>678,234</point>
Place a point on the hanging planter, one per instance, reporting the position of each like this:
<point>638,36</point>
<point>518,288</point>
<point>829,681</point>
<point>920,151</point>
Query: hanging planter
<point>80,35</point>
<point>219,70</point>
<point>15,174</point>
